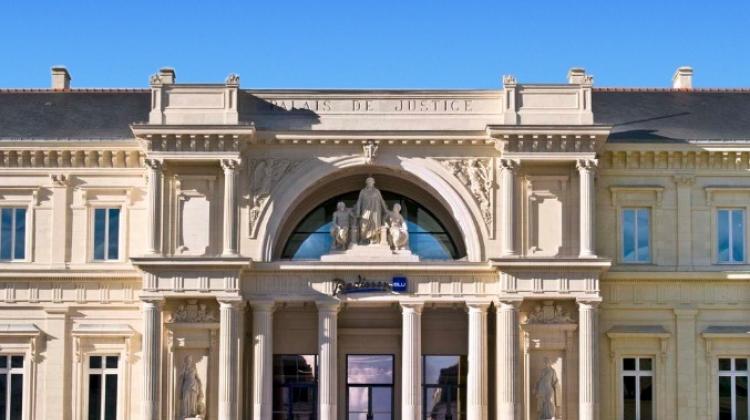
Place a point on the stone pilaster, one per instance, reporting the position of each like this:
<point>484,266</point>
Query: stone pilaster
<point>152,309</point>
<point>154,205</point>
<point>476,391</point>
<point>507,221</point>
<point>230,207</point>
<point>684,220</point>
<point>230,362</point>
<point>411,360</point>
<point>262,359</point>
<point>508,394</point>
<point>586,171</point>
<point>686,360</point>
<point>328,359</point>
<point>588,350</point>
<point>56,364</point>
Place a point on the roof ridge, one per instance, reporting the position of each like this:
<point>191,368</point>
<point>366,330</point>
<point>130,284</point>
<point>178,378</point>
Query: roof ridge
<point>670,90</point>
<point>74,90</point>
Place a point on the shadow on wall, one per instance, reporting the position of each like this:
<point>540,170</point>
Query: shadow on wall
<point>285,114</point>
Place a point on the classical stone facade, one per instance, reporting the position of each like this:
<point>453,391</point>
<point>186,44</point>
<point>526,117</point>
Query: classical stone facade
<point>557,251</point>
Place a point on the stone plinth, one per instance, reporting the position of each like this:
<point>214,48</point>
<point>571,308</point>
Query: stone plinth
<point>370,253</point>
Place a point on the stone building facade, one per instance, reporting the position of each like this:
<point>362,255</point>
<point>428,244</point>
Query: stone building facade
<point>573,252</point>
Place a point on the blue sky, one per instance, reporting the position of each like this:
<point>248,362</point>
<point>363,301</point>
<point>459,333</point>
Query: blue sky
<point>374,44</point>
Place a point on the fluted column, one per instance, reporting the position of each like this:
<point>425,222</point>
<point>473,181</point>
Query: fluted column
<point>411,363</point>
<point>151,409</point>
<point>508,394</point>
<point>586,170</point>
<point>476,391</point>
<point>507,221</point>
<point>154,205</point>
<point>230,362</point>
<point>328,359</point>
<point>262,359</point>
<point>588,349</point>
<point>230,207</point>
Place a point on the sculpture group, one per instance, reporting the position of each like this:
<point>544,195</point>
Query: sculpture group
<point>369,222</point>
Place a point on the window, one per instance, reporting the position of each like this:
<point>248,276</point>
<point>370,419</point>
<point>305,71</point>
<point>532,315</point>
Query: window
<point>295,387</point>
<point>637,388</point>
<point>11,387</point>
<point>12,233</point>
<point>731,235</point>
<point>444,385</point>
<point>103,384</point>
<point>636,235</point>
<point>428,238</point>
<point>734,402</point>
<point>369,387</point>
<point>106,233</point>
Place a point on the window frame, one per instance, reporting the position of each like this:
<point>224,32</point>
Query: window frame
<point>392,385</point>
<point>87,371</point>
<point>92,234</point>
<point>316,384</point>
<point>637,374</point>
<point>461,387</point>
<point>621,236</point>
<point>26,247</point>
<point>716,240</point>
<point>733,374</point>
<point>25,378</point>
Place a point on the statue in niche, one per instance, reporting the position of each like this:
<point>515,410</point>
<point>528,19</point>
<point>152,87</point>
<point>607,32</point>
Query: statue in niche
<point>191,391</point>
<point>562,316</point>
<point>398,233</point>
<point>340,227</point>
<point>545,392</point>
<point>369,210</point>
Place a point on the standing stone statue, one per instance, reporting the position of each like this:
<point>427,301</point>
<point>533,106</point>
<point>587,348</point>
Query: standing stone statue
<point>370,209</point>
<point>191,390</point>
<point>398,232</point>
<point>340,227</point>
<point>546,392</point>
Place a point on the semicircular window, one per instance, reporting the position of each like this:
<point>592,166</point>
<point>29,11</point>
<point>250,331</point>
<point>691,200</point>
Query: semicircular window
<point>428,238</point>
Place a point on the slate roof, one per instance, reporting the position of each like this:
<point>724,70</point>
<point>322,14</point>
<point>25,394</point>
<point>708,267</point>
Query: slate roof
<point>637,115</point>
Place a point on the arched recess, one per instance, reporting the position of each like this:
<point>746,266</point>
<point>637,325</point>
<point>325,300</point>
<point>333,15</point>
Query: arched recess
<point>315,181</point>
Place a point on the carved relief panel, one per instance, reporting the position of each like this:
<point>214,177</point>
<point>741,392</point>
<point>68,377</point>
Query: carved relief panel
<point>195,214</point>
<point>548,209</point>
<point>265,174</point>
<point>478,176</point>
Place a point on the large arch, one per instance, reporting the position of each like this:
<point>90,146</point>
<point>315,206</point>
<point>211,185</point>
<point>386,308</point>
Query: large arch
<point>295,189</point>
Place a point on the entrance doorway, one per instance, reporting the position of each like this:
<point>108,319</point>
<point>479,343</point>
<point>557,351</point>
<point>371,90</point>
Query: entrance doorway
<point>369,387</point>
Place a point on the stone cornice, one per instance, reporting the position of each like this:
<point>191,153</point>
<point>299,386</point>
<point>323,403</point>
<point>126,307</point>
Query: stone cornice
<point>73,155</point>
<point>360,137</point>
<point>659,157</point>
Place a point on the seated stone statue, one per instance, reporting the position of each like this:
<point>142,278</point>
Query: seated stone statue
<point>340,227</point>
<point>398,233</point>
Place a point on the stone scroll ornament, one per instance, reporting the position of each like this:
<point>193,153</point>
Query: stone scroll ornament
<point>265,174</point>
<point>477,175</point>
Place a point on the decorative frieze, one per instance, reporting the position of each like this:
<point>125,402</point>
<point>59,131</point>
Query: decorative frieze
<point>70,158</point>
<point>675,159</point>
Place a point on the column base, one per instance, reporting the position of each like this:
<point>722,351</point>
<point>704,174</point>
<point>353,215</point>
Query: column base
<point>586,411</point>
<point>587,255</point>
<point>328,412</point>
<point>507,411</point>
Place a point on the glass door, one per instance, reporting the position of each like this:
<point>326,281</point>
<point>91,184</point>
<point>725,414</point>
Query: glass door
<point>369,387</point>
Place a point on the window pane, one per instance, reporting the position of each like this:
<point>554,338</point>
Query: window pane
<point>358,399</point>
<point>644,253</point>
<point>112,362</point>
<point>628,397</point>
<point>110,400</point>
<point>725,364</point>
<point>740,364</point>
<point>6,233</point>
<point>628,363</point>
<point>20,246</point>
<point>442,370</point>
<point>725,398</point>
<point>95,362</point>
<point>16,361</point>
<point>16,396</point>
<point>740,389</point>
<point>294,369</point>
<point>114,234</point>
<point>647,398</point>
<point>375,369</point>
<point>281,400</point>
<point>738,236</point>
<point>628,235</point>
<point>99,231</point>
<point>381,400</point>
<point>3,395</point>
<point>95,397</point>
<point>645,363</point>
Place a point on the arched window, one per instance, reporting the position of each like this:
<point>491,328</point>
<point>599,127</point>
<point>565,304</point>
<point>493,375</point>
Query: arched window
<point>428,238</point>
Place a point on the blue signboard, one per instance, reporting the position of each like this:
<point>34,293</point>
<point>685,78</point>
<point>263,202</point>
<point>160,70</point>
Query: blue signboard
<point>400,284</point>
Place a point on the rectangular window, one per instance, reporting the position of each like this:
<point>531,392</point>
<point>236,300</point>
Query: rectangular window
<point>637,388</point>
<point>103,384</point>
<point>369,390</point>
<point>444,384</point>
<point>636,235</point>
<point>734,401</point>
<point>12,233</point>
<point>106,234</point>
<point>731,235</point>
<point>295,387</point>
<point>11,387</point>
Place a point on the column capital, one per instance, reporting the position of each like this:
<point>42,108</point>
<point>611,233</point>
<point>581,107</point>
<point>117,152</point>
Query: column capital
<point>586,164</point>
<point>262,305</point>
<point>328,306</point>
<point>230,164</point>
<point>478,305</point>
<point>588,302</point>
<point>509,303</point>
<point>154,300</point>
<point>415,307</point>
<point>509,164</point>
<point>233,301</point>
<point>154,164</point>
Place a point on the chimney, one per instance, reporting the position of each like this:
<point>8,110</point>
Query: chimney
<point>578,76</point>
<point>167,76</point>
<point>60,78</point>
<point>683,78</point>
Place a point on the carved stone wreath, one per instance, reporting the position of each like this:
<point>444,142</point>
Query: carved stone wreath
<point>265,174</point>
<point>477,175</point>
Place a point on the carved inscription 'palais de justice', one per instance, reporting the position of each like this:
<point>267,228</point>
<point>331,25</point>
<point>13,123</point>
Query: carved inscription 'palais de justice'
<point>430,105</point>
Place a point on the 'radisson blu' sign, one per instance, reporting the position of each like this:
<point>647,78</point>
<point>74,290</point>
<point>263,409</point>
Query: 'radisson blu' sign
<point>362,285</point>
